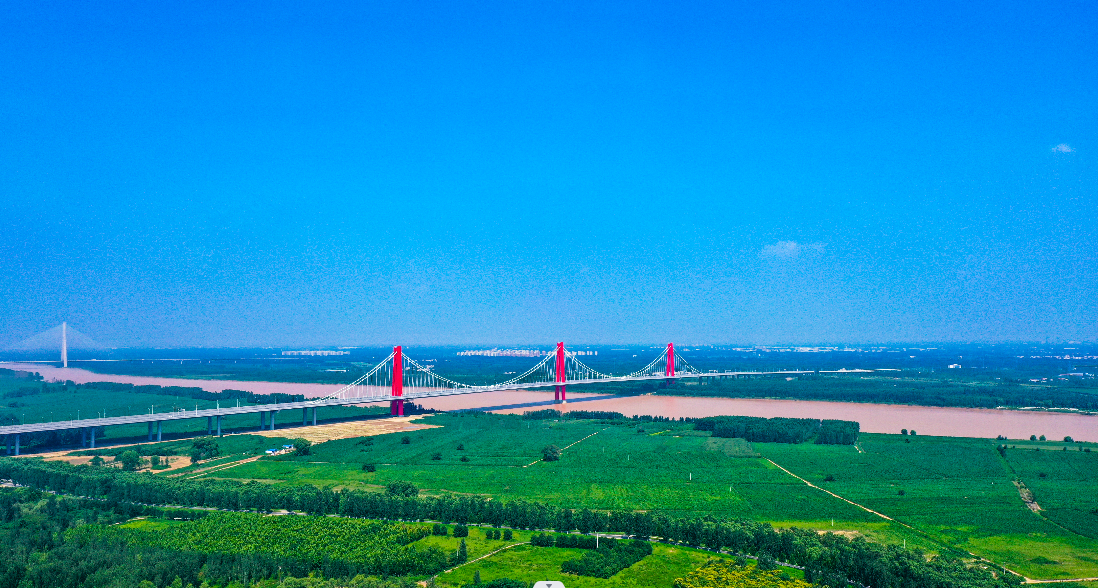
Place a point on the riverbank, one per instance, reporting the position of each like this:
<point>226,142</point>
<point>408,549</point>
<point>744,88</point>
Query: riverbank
<point>874,418</point>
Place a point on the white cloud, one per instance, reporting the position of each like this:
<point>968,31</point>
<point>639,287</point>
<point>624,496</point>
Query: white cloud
<point>789,249</point>
<point>1062,148</point>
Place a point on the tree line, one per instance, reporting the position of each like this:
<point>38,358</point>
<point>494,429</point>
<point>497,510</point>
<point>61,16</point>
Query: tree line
<point>763,430</point>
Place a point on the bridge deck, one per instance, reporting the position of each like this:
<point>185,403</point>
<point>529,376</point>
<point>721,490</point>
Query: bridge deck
<point>227,411</point>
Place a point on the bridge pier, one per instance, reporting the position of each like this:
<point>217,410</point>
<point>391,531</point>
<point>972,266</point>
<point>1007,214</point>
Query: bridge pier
<point>209,425</point>
<point>91,437</point>
<point>273,419</point>
<point>7,444</point>
<point>17,444</point>
<point>262,420</point>
<point>159,430</point>
<point>150,431</point>
<point>83,436</point>
<point>314,416</point>
<point>218,425</point>
<point>305,416</point>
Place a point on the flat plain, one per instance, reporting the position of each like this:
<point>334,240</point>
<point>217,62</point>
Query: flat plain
<point>942,493</point>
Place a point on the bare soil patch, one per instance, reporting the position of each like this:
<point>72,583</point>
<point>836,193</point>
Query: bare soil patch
<point>351,429</point>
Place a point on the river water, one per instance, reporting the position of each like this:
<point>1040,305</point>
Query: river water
<point>874,418</point>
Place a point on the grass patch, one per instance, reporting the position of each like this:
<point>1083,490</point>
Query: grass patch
<point>531,564</point>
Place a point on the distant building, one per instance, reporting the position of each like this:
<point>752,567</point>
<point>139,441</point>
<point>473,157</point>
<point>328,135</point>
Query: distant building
<point>317,352</point>
<point>520,352</point>
<point>954,366</point>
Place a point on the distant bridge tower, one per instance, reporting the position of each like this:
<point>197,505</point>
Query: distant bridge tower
<point>670,371</point>
<point>64,344</point>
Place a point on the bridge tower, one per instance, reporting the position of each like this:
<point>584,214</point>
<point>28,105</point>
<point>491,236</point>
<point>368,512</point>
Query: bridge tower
<point>562,376</point>
<point>396,407</point>
<point>670,371</point>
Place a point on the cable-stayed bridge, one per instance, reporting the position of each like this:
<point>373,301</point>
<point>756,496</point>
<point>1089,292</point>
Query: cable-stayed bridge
<point>395,379</point>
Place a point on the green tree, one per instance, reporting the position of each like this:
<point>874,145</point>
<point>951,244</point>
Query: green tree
<point>402,488</point>
<point>129,460</point>
<point>550,453</point>
<point>204,448</point>
<point>302,446</point>
<point>462,554</point>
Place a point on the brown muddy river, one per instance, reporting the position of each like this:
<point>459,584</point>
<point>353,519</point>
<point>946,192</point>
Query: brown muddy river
<point>874,418</point>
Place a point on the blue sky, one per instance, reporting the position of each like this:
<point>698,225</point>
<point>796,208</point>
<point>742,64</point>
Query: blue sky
<point>203,174</point>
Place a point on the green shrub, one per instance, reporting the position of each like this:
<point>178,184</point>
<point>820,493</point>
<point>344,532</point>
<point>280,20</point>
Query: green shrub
<point>550,453</point>
<point>302,447</point>
<point>402,488</point>
<point>609,559</point>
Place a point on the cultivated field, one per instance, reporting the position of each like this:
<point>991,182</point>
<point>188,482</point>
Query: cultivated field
<point>942,493</point>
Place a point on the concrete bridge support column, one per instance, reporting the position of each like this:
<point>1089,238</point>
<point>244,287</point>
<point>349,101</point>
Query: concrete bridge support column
<point>83,436</point>
<point>159,430</point>
<point>209,425</point>
<point>91,437</point>
<point>273,419</point>
<point>17,444</point>
<point>218,425</point>
<point>7,444</point>
<point>262,420</point>
<point>150,431</point>
<point>304,416</point>
<point>314,416</point>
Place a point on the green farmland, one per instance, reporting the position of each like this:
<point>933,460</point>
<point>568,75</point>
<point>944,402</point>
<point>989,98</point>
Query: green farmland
<point>653,467</point>
<point>944,494</point>
<point>960,492</point>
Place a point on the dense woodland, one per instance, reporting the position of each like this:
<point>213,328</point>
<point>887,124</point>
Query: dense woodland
<point>755,429</point>
<point>832,559</point>
<point>781,430</point>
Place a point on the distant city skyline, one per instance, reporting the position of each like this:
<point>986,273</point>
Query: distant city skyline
<point>202,175</point>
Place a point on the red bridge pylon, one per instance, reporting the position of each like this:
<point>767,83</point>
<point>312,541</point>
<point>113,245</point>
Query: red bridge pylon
<point>670,372</point>
<point>396,407</point>
<point>562,375</point>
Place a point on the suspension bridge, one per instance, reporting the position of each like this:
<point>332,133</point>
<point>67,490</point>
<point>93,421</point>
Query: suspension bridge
<point>394,380</point>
